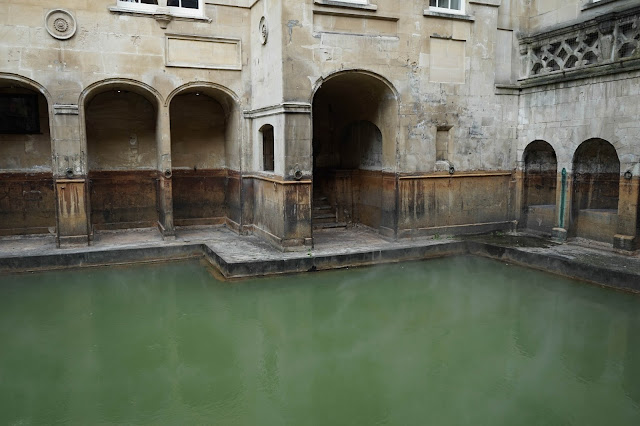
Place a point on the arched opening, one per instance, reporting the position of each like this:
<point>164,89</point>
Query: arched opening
<point>204,157</point>
<point>122,158</point>
<point>540,182</point>
<point>27,196</point>
<point>596,186</point>
<point>354,131</point>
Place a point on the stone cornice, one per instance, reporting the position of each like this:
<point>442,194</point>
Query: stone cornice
<point>283,108</point>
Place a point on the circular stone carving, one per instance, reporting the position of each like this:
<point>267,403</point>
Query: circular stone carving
<point>60,24</point>
<point>264,30</point>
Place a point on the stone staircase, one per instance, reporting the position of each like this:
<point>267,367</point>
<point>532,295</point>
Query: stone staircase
<point>324,216</point>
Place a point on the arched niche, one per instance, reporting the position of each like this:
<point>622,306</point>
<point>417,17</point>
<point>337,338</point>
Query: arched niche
<point>268,148</point>
<point>596,186</point>
<point>355,124</point>
<point>540,182</point>
<point>206,135</point>
<point>120,132</point>
<point>27,203</point>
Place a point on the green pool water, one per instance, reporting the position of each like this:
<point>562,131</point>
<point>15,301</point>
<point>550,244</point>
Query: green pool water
<point>461,341</point>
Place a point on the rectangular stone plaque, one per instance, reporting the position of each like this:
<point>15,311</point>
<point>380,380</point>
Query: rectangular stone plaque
<point>203,52</point>
<point>343,23</point>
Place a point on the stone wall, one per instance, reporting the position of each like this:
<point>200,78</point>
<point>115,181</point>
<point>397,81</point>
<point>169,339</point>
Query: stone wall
<point>420,118</point>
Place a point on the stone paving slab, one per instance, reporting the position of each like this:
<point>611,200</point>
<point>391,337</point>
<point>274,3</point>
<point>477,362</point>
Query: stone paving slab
<point>241,256</point>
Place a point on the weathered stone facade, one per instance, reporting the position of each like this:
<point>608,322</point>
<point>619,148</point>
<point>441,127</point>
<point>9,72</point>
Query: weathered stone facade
<point>271,116</point>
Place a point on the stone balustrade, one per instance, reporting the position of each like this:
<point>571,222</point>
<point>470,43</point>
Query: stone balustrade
<point>609,39</point>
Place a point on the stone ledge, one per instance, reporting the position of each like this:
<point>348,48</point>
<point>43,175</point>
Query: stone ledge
<point>242,4</point>
<point>507,89</point>
<point>430,14</point>
<point>160,16</point>
<point>283,108</point>
<point>490,3</point>
<point>606,269</point>
<point>346,5</point>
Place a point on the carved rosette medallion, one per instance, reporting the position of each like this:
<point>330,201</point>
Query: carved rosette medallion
<point>60,24</point>
<point>264,30</point>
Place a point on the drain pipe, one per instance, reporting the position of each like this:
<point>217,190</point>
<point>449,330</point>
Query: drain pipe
<point>563,196</point>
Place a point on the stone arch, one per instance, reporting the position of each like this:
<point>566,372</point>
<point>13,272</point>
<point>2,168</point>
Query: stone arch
<point>596,186</point>
<point>354,110</point>
<point>210,87</point>
<point>540,182</point>
<point>30,84</point>
<point>120,138</point>
<point>26,169</point>
<point>319,82</point>
<point>143,89</point>
<point>206,146</point>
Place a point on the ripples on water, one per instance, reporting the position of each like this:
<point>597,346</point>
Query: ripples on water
<point>450,341</point>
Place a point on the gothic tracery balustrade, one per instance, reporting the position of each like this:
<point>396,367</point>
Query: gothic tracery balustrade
<point>608,39</point>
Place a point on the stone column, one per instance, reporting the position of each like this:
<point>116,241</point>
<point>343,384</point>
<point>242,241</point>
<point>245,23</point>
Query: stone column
<point>564,198</point>
<point>626,238</point>
<point>70,177</point>
<point>165,195</point>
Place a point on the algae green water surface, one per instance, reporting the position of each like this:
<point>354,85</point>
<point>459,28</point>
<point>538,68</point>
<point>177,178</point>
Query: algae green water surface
<point>460,341</point>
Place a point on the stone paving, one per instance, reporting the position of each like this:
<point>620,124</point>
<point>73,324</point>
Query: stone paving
<point>234,248</point>
<point>229,245</point>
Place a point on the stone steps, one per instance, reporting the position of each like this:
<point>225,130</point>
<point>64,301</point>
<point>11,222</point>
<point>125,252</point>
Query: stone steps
<point>324,216</point>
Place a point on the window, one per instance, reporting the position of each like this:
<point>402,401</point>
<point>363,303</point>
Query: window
<point>447,6</point>
<point>268,163</point>
<point>187,8</point>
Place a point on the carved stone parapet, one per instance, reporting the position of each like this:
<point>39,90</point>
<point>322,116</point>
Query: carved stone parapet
<point>607,39</point>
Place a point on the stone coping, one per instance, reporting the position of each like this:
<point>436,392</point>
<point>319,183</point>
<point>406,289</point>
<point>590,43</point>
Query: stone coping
<point>249,257</point>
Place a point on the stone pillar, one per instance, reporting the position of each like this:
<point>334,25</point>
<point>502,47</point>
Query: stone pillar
<point>389,205</point>
<point>518,213</point>
<point>564,198</point>
<point>626,239</point>
<point>70,177</point>
<point>297,171</point>
<point>165,195</point>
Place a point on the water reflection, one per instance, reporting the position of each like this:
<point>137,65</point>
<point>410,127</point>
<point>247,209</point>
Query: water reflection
<point>458,341</point>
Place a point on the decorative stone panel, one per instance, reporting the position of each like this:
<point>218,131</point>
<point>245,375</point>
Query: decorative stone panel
<point>189,51</point>
<point>604,40</point>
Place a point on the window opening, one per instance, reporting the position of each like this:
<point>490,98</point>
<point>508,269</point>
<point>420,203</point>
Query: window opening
<point>190,4</point>
<point>268,161</point>
<point>447,6</point>
<point>189,8</point>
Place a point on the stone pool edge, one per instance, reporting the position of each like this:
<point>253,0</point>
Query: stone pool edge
<point>239,269</point>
